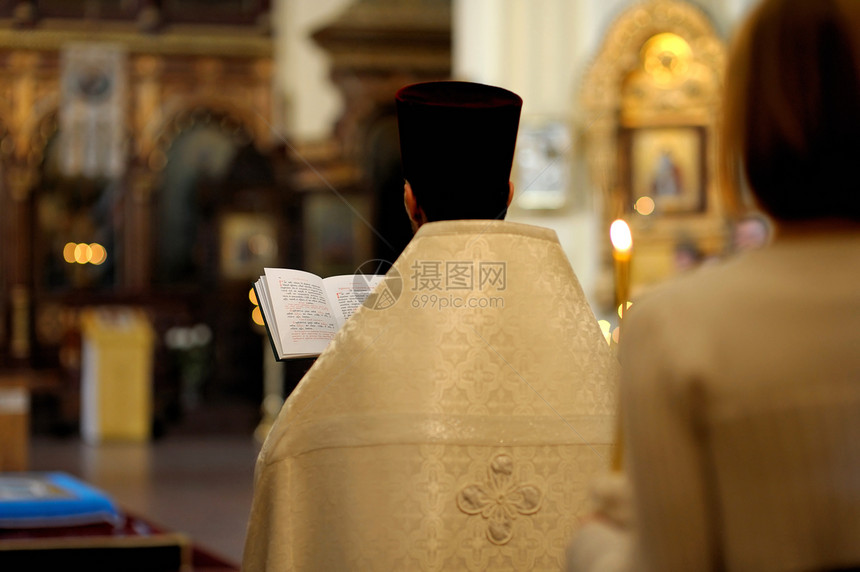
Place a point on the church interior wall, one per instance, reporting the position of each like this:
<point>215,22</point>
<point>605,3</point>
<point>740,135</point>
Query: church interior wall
<point>541,49</point>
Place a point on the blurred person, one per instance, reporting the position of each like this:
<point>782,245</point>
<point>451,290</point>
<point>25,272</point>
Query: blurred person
<point>749,232</point>
<point>740,388</point>
<point>687,255</point>
<point>455,424</point>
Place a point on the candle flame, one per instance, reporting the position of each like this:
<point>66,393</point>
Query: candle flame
<point>619,234</point>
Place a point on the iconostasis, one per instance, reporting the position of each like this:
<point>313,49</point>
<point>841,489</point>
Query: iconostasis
<point>652,97</point>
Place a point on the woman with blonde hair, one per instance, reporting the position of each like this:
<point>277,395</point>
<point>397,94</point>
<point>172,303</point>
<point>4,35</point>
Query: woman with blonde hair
<point>741,382</point>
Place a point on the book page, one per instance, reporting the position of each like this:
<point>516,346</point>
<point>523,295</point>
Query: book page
<point>346,293</point>
<point>264,300</point>
<point>303,320</point>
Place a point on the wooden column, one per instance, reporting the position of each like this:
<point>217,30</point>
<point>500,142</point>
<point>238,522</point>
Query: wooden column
<point>17,247</point>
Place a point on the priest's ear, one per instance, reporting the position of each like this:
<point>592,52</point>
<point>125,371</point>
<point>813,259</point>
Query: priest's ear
<point>413,209</point>
<point>416,213</point>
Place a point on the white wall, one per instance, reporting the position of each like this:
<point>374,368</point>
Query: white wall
<point>309,102</point>
<point>537,48</point>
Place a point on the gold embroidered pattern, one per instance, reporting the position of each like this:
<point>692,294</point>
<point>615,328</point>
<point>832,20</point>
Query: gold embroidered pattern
<point>500,499</point>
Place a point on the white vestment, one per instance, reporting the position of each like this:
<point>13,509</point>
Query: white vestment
<point>456,428</point>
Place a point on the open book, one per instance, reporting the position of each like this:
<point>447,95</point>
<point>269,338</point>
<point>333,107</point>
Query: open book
<point>302,311</point>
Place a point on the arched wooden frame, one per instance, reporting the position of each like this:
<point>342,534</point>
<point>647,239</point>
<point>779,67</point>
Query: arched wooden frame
<point>225,119</point>
<point>154,141</point>
<point>613,114</point>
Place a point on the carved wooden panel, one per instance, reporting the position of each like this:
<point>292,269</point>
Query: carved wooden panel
<point>171,77</point>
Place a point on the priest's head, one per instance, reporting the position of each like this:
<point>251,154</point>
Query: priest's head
<point>792,118</point>
<point>457,144</point>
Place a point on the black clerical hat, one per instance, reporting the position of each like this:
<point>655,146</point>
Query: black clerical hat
<point>457,142</point>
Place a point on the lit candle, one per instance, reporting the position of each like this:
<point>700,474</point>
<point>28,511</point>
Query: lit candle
<point>622,246</point>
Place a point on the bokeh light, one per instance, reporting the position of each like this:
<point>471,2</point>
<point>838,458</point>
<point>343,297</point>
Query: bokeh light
<point>82,253</point>
<point>622,308</point>
<point>69,252</point>
<point>645,205</point>
<point>99,253</point>
<point>257,316</point>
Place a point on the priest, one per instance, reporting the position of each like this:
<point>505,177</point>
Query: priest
<point>456,420</point>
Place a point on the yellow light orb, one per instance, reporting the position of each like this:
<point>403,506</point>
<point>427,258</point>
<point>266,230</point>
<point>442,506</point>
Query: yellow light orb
<point>605,326</point>
<point>252,296</point>
<point>69,252</point>
<point>622,308</point>
<point>257,316</point>
<point>83,253</point>
<point>645,205</point>
<point>99,253</point>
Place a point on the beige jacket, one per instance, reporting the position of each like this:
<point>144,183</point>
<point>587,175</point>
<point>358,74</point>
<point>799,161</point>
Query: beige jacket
<point>741,401</point>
